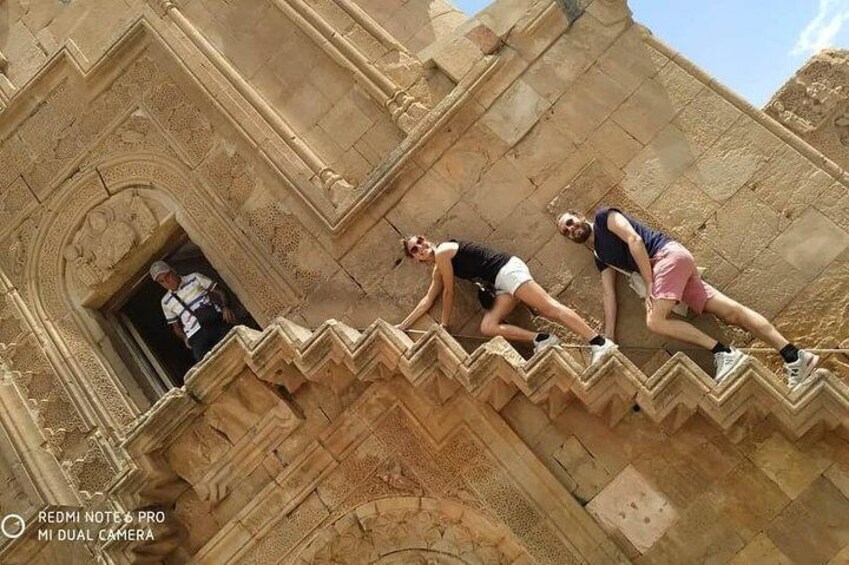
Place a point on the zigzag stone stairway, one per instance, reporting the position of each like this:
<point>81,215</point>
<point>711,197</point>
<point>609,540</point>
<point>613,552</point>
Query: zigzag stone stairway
<point>284,442</point>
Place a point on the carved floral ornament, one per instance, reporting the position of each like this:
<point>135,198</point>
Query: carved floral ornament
<point>108,233</point>
<point>431,535</point>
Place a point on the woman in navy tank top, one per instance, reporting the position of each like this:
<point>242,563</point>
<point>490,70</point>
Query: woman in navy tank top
<point>512,282</point>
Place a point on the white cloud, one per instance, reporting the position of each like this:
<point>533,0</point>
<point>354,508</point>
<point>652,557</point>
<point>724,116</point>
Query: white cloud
<point>820,32</point>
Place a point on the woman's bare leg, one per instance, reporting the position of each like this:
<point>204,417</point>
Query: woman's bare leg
<point>492,325</point>
<point>532,294</point>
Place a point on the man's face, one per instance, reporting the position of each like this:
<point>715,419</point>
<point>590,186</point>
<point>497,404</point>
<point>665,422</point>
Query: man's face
<point>169,280</point>
<point>420,248</point>
<point>574,227</point>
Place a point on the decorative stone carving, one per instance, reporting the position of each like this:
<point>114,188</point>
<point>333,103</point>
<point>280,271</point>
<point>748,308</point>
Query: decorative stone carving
<point>408,536</point>
<point>810,97</point>
<point>396,479</point>
<point>14,200</point>
<point>14,251</point>
<point>108,233</point>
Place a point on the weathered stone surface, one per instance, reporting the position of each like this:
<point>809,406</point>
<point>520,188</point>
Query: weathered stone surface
<point>584,191</point>
<point>761,550</point>
<point>657,165</point>
<point>539,153</point>
<point>500,190</point>
<point>630,60</point>
<point>614,143</point>
<point>806,100</point>
<point>429,199</point>
<point>705,118</point>
<point>587,473</point>
<point>819,517</point>
<point>816,315</point>
<point>748,499</point>
<point>813,104</point>
<point>791,470</point>
<point>684,207</point>
<point>743,227</point>
<point>515,112</point>
<point>769,282</point>
<point>523,238</point>
<point>569,57</point>
<point>563,260</point>
<point>634,507</point>
<point>738,153</point>
<point>791,187</point>
<point>646,111</point>
<point>463,165</point>
<point>462,222</point>
<point>373,256</point>
<point>699,535</point>
<point>233,121</point>
<point>718,270</point>
<point>588,102</point>
<point>834,203</point>
<point>811,243</point>
<point>681,87</point>
<point>331,299</point>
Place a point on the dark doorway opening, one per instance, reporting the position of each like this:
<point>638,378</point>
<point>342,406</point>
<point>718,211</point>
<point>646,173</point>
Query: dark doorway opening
<point>159,356</point>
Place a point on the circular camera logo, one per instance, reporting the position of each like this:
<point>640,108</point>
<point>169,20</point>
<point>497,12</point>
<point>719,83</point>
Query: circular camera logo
<point>13,526</point>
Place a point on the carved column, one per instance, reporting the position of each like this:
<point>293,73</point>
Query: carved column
<point>334,185</point>
<point>403,108</point>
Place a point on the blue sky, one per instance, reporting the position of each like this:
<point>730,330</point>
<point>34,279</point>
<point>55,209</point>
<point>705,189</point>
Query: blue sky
<point>751,46</point>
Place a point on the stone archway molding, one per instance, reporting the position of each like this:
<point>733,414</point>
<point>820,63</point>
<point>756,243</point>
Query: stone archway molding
<point>413,530</point>
<point>75,343</point>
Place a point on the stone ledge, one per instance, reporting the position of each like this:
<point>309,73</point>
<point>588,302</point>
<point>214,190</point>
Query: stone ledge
<point>335,354</point>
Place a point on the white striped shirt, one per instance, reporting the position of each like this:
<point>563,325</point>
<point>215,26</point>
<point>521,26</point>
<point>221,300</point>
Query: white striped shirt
<point>194,292</point>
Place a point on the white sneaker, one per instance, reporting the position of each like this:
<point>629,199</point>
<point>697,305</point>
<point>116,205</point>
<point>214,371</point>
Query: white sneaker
<point>599,351</point>
<point>726,362</point>
<point>541,343</point>
<point>801,368</point>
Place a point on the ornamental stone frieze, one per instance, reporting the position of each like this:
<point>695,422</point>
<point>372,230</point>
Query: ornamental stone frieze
<point>108,233</point>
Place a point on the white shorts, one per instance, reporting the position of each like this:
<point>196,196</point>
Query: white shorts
<point>511,276</point>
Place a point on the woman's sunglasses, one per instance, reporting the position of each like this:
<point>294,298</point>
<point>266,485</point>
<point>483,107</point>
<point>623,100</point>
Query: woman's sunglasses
<point>417,246</point>
<point>568,223</point>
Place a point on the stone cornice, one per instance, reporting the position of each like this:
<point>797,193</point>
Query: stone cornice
<point>335,354</point>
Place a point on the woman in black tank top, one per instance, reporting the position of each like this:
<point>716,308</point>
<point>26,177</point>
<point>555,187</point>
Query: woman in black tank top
<point>513,284</point>
<point>476,262</point>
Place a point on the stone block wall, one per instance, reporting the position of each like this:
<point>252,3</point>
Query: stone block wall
<point>31,32</point>
<point>602,113</point>
<point>295,143</point>
<point>692,495</point>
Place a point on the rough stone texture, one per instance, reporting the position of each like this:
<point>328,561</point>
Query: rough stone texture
<point>812,104</point>
<point>632,506</point>
<point>350,441</point>
<point>811,243</point>
<point>743,227</point>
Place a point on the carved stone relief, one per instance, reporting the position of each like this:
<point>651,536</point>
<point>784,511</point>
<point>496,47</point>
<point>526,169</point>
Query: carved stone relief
<point>411,536</point>
<point>109,232</point>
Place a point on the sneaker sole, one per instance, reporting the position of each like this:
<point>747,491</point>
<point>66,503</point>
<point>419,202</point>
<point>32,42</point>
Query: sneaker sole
<point>603,354</point>
<point>720,380</point>
<point>809,370</point>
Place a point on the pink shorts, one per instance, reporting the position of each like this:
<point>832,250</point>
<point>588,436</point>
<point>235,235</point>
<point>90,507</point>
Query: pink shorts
<point>676,277</point>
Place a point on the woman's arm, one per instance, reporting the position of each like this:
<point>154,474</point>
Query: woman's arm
<point>446,269</point>
<point>608,295</point>
<point>622,228</point>
<point>425,303</point>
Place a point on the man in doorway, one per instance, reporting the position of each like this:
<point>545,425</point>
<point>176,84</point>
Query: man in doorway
<point>196,309</point>
<point>622,243</point>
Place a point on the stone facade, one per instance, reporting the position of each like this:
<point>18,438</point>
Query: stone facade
<point>295,142</point>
